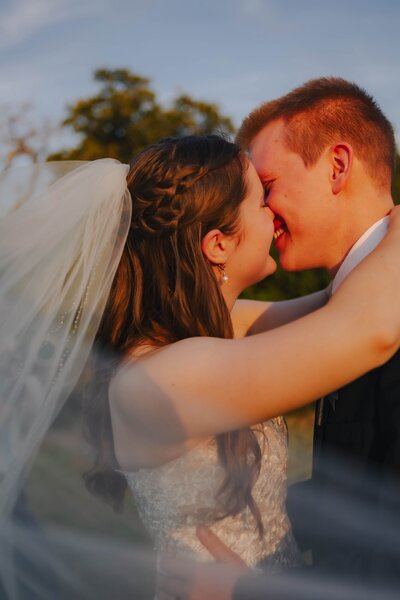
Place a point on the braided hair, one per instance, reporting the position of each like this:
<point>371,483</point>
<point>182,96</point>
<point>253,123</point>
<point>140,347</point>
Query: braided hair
<point>165,290</point>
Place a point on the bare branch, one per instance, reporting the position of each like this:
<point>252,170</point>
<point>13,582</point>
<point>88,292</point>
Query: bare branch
<point>21,136</point>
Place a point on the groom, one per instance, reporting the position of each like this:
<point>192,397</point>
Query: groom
<point>325,154</point>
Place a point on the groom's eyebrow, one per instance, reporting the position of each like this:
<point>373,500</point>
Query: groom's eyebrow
<point>265,180</point>
<point>264,175</point>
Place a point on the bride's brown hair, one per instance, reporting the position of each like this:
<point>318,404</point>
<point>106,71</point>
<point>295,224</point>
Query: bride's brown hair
<point>165,290</point>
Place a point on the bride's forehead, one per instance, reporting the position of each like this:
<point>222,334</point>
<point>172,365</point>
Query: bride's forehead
<point>252,178</point>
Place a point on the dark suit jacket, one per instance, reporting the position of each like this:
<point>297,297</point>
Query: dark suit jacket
<point>348,513</point>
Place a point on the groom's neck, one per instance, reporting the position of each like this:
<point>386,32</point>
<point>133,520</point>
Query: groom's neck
<point>355,226</point>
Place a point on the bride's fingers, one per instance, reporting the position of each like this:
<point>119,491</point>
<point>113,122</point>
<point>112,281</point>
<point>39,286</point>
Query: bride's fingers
<point>176,567</point>
<point>188,580</point>
<point>217,548</point>
<point>168,588</point>
<point>174,577</point>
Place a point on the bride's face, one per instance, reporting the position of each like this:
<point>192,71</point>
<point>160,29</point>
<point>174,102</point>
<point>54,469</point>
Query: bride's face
<point>251,261</point>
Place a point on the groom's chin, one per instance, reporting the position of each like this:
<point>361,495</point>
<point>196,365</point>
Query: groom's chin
<point>293,264</point>
<point>287,265</point>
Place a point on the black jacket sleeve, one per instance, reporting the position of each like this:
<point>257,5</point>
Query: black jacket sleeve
<point>385,560</point>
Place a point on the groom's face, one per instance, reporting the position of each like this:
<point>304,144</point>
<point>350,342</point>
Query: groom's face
<point>301,199</point>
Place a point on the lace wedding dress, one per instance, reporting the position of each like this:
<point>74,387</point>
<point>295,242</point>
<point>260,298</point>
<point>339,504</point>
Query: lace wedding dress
<point>176,497</point>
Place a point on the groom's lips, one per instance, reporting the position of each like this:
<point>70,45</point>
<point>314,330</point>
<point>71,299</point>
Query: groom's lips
<point>280,227</point>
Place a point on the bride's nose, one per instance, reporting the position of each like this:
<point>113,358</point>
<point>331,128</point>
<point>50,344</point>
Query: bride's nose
<point>270,213</point>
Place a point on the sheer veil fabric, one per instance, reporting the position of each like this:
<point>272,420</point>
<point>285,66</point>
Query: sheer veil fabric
<point>63,227</point>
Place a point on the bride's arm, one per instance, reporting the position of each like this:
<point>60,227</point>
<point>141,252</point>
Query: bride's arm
<point>204,386</point>
<point>255,316</point>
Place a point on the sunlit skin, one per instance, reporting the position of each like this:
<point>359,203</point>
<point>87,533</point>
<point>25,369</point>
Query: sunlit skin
<point>246,253</point>
<point>326,207</point>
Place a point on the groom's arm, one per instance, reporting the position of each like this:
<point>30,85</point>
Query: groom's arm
<point>386,555</point>
<point>254,316</point>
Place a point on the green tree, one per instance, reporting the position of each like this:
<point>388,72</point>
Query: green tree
<point>125,116</point>
<point>396,182</point>
<point>283,285</point>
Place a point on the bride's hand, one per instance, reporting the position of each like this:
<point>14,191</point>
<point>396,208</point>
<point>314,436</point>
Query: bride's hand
<point>189,580</point>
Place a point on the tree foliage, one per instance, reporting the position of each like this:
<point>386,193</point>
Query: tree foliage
<point>125,116</point>
<point>284,285</point>
<point>396,182</point>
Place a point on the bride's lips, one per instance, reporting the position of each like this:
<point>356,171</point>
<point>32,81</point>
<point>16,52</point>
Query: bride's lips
<point>280,227</point>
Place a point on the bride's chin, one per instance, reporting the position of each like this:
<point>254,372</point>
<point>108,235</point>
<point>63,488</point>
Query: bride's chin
<point>271,267</point>
<point>268,270</point>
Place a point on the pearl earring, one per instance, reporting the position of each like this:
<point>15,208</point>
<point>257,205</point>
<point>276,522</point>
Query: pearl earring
<point>224,276</point>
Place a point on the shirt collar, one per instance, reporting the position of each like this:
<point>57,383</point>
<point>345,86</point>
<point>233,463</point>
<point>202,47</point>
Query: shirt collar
<point>366,243</point>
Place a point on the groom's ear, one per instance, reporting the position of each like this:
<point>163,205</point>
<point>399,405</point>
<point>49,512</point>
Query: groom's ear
<point>341,156</point>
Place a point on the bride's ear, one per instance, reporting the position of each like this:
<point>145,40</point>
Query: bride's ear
<point>216,246</point>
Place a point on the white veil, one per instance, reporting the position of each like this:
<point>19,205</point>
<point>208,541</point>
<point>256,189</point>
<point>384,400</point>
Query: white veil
<point>63,227</point>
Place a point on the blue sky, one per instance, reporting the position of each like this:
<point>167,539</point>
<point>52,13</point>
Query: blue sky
<point>233,52</point>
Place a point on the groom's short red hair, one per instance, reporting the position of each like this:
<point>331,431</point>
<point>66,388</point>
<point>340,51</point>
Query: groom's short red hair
<point>322,111</point>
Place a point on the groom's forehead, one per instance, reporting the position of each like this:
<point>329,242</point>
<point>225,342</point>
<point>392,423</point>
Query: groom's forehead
<point>268,148</point>
<point>269,140</point>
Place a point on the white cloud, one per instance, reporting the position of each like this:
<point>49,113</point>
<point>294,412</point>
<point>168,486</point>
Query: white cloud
<point>20,19</point>
<point>252,7</point>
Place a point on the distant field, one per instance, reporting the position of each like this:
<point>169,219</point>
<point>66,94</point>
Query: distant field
<point>300,425</point>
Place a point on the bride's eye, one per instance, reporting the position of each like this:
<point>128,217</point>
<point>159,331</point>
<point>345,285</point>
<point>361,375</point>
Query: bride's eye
<point>265,198</point>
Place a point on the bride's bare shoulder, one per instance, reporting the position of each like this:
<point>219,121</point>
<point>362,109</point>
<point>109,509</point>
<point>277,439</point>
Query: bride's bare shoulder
<point>146,425</point>
<point>151,372</point>
<point>128,378</point>
<point>144,372</point>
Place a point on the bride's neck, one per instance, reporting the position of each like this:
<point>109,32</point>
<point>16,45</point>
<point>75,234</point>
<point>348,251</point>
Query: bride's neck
<point>229,295</point>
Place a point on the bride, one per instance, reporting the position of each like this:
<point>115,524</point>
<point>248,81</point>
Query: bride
<point>143,267</point>
<point>183,414</point>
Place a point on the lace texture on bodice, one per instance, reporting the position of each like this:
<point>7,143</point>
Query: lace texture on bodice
<point>176,497</point>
